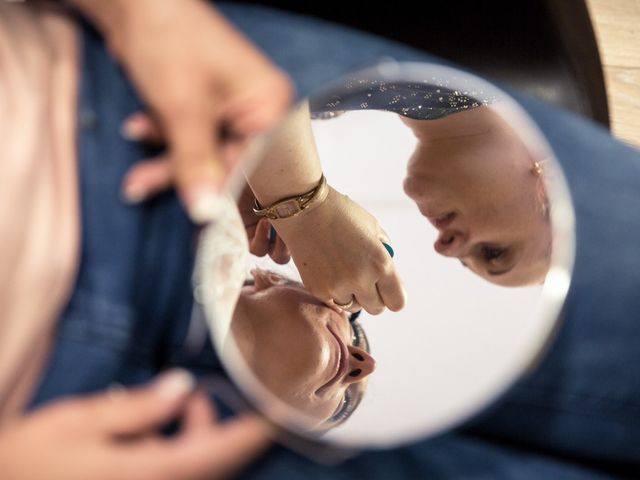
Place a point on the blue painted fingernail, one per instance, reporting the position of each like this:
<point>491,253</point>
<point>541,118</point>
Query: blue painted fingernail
<point>273,235</point>
<point>389,249</point>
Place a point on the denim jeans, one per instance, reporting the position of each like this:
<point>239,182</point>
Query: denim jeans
<point>577,414</point>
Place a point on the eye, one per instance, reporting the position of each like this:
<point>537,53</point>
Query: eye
<point>355,339</point>
<point>345,409</point>
<point>358,337</point>
<point>491,254</point>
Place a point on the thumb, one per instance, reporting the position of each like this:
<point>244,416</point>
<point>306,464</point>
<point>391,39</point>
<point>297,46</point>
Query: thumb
<point>136,411</point>
<point>198,167</point>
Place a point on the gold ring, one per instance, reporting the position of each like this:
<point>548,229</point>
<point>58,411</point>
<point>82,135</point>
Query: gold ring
<point>344,306</point>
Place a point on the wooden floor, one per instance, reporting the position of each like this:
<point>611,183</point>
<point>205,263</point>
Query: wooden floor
<point>617,27</point>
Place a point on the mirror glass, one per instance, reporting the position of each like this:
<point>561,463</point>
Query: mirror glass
<point>480,226</point>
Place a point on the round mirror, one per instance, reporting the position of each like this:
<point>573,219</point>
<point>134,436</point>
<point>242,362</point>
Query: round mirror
<point>474,211</point>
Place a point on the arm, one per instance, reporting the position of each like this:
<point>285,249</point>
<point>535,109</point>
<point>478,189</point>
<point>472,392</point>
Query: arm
<point>291,164</point>
<point>336,244</point>
<point>170,49</point>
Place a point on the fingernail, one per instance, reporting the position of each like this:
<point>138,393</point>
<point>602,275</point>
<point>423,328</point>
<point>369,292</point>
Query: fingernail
<point>276,279</point>
<point>176,383</point>
<point>133,193</point>
<point>131,130</point>
<point>273,235</point>
<point>206,208</point>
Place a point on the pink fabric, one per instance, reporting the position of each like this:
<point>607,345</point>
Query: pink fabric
<point>39,217</point>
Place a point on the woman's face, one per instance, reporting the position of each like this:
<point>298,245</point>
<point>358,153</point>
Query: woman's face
<point>302,350</point>
<point>474,180</point>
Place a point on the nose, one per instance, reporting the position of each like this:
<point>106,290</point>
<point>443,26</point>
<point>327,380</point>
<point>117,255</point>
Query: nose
<point>450,243</point>
<point>361,365</point>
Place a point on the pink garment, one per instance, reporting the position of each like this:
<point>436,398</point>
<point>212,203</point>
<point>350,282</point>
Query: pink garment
<point>39,211</point>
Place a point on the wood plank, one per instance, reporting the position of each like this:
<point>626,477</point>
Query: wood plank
<point>617,27</point>
<point>623,90</point>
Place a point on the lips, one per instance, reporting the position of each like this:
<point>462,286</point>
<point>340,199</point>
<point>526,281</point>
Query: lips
<point>341,362</point>
<point>442,221</point>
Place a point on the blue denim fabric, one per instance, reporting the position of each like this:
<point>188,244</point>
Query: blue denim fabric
<point>454,456</point>
<point>132,300</point>
<point>131,305</point>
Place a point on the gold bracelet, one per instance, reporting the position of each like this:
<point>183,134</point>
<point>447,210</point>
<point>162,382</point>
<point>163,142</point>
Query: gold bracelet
<point>294,205</point>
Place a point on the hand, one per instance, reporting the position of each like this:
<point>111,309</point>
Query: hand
<point>198,75</point>
<point>263,238</point>
<point>155,175</point>
<point>344,256</point>
<point>114,436</point>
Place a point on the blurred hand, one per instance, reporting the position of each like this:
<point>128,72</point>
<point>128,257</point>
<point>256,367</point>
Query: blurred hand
<point>337,248</point>
<point>156,174</point>
<point>115,436</point>
<point>198,76</point>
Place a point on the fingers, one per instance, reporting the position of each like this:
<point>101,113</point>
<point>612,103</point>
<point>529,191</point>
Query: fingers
<point>259,244</point>
<point>389,286</point>
<point>252,111</point>
<point>265,241</point>
<point>228,448</point>
<point>209,453</point>
<point>387,291</point>
<point>391,291</point>
<point>236,443</point>
<point>199,413</point>
<point>351,305</point>
<point>137,411</point>
<point>198,168</point>
<point>147,178</point>
<point>278,250</point>
<point>151,176</point>
<point>141,127</point>
<point>370,300</point>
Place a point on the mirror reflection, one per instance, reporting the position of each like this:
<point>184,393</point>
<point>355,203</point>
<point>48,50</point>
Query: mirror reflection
<point>309,355</point>
<point>470,175</point>
<point>428,171</point>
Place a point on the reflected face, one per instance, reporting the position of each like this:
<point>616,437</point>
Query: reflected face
<point>474,180</point>
<point>305,352</point>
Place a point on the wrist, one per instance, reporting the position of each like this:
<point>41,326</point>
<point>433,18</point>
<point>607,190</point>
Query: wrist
<point>113,17</point>
<point>308,220</point>
<point>294,205</point>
